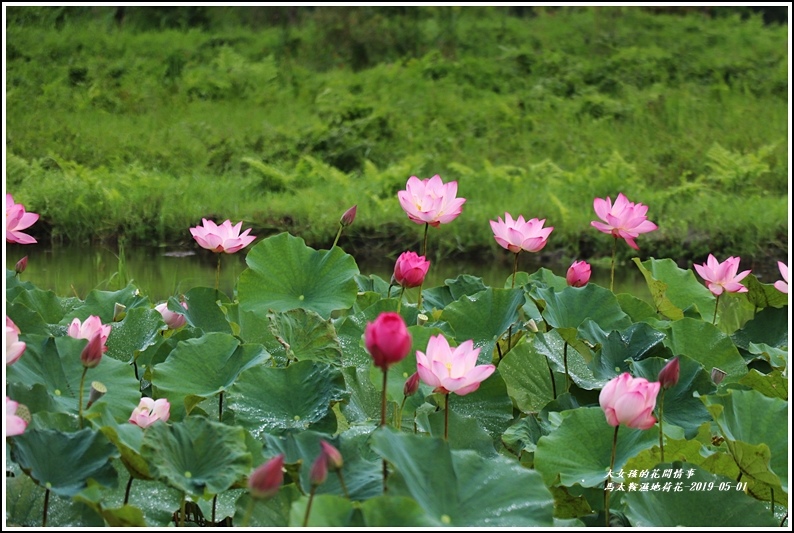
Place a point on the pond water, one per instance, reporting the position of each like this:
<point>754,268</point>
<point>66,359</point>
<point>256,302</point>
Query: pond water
<point>160,272</point>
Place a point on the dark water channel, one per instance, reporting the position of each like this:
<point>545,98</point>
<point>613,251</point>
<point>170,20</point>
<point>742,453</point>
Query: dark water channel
<point>159,273</point>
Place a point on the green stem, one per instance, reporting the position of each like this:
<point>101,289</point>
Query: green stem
<point>46,505</point>
<point>400,299</point>
<point>80,396</point>
<point>661,434</point>
<point>400,417</point>
<point>338,233</point>
<point>609,476</point>
<point>342,483</point>
<point>772,500</point>
<point>182,511</point>
<point>127,490</point>
<point>553,383</point>
<point>612,275</point>
<point>446,417</point>
<point>424,253</point>
<point>510,329</point>
<point>565,364</point>
<point>218,275</point>
<point>220,419</point>
<point>383,400</point>
<point>716,305</point>
<point>309,506</point>
<point>249,511</point>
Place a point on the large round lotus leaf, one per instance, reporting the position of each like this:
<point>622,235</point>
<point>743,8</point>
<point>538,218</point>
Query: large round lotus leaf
<point>46,305</point>
<point>761,295</point>
<point>103,303</point>
<point>673,289</point>
<point>197,456</point>
<point>453,289</point>
<point>681,406</point>
<point>707,345</point>
<point>751,418</point>
<point>620,349</point>
<point>774,384</point>
<point>55,363</point>
<point>24,502</point>
<point>483,318</point>
<point>770,326</point>
<point>526,373</point>
<point>570,307</point>
<point>283,273</point>
<point>202,367</point>
<point>579,450</point>
<point>464,433</point>
<point>462,488</point>
<point>268,399</point>
<point>395,511</point>
<point>306,335</point>
<point>203,311</point>
<point>328,510</point>
<point>705,500</point>
<point>139,330</point>
<point>63,462</point>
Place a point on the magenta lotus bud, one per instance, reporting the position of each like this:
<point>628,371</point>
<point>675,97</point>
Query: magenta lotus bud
<point>410,269</point>
<point>92,353</point>
<point>334,457</point>
<point>668,376</point>
<point>21,265</point>
<point>629,401</point>
<point>411,385</point>
<point>319,471</point>
<point>717,375</point>
<point>387,339</point>
<point>349,216</point>
<point>266,479</point>
<point>578,274</point>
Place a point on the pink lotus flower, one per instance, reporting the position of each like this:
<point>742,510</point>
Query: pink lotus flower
<point>150,411</point>
<point>782,284</point>
<point>14,347</point>
<point>629,401</point>
<point>266,479</point>
<point>517,235</point>
<point>431,201</point>
<point>668,376</point>
<point>15,425</point>
<point>224,238</point>
<point>624,219</point>
<point>723,276</point>
<point>18,219</point>
<point>387,339</point>
<point>86,330</point>
<point>449,370</point>
<point>172,320</point>
<point>410,269</point>
<point>578,274</point>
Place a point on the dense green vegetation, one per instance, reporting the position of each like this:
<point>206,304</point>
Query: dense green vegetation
<point>135,125</point>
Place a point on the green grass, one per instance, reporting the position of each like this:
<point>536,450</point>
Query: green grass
<point>137,134</point>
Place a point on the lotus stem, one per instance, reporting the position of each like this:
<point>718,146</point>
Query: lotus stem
<point>248,511</point>
<point>127,490</point>
<point>220,419</point>
<point>182,511</point>
<point>553,382</point>
<point>80,396</point>
<point>612,274</point>
<point>424,254</point>
<point>661,434</point>
<point>446,417</point>
<point>46,505</point>
<point>512,286</point>
<point>716,305</point>
<point>400,300</point>
<point>565,365</point>
<point>609,475</point>
<point>342,483</point>
<point>338,233</point>
<point>309,506</point>
<point>218,276</point>
<point>382,423</point>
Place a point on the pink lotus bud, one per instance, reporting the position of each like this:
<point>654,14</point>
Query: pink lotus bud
<point>629,401</point>
<point>266,479</point>
<point>21,265</point>
<point>15,424</point>
<point>411,385</point>
<point>349,216</point>
<point>387,339</point>
<point>335,461</point>
<point>410,269</point>
<point>319,471</point>
<point>172,320</point>
<point>668,376</point>
<point>14,347</point>
<point>578,274</point>
<point>87,329</point>
<point>92,353</point>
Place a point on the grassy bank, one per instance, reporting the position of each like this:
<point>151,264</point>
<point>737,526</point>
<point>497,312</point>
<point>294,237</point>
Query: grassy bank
<point>121,132</point>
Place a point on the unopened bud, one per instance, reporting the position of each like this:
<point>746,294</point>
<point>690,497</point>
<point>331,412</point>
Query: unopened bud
<point>668,376</point>
<point>717,375</point>
<point>349,216</point>
<point>119,312</point>
<point>332,455</point>
<point>92,353</point>
<point>532,326</point>
<point>266,480</point>
<point>21,265</point>
<point>319,470</point>
<point>98,390</point>
<point>411,385</point>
